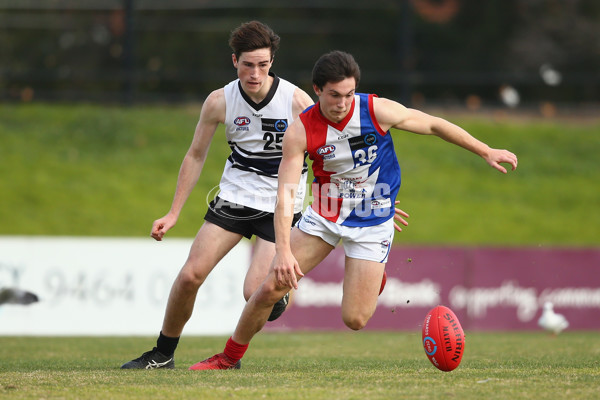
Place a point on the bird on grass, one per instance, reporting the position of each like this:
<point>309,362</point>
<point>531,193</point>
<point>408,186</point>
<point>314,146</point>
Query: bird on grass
<point>551,321</point>
<point>17,296</point>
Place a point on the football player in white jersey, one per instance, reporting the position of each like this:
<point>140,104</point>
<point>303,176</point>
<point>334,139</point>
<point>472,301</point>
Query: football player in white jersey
<point>266,105</point>
<point>347,135</point>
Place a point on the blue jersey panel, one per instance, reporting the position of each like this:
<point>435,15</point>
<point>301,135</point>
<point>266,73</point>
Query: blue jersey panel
<point>377,151</point>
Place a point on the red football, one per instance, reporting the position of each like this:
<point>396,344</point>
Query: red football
<point>443,338</point>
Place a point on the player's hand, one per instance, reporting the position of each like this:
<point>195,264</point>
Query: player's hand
<point>286,269</point>
<point>495,157</point>
<point>161,226</point>
<point>398,217</point>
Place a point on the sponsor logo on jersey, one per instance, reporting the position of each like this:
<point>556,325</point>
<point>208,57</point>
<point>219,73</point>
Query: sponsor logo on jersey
<point>346,189</point>
<point>274,125</point>
<point>360,142</point>
<point>353,194</point>
<point>370,139</point>
<point>381,203</point>
<point>242,121</point>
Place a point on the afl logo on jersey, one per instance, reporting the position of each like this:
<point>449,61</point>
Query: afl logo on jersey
<point>326,150</point>
<point>242,121</point>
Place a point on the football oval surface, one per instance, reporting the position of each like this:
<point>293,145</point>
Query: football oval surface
<point>443,338</point>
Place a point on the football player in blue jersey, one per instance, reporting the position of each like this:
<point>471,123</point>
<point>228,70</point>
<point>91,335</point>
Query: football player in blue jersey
<point>357,177</point>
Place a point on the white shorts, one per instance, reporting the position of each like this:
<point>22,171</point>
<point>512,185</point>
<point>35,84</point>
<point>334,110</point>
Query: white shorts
<point>372,243</point>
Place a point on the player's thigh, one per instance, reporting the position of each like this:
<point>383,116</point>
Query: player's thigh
<point>211,244</point>
<point>262,256</point>
<point>362,280</point>
<point>309,250</point>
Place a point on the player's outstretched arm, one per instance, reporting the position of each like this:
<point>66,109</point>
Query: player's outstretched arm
<point>391,114</point>
<point>212,113</point>
<point>285,265</point>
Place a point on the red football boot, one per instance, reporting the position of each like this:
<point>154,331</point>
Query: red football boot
<point>218,361</point>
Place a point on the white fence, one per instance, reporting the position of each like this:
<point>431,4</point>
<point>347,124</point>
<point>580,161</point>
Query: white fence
<point>112,286</point>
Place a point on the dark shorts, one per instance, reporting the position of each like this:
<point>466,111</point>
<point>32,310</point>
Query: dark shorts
<point>243,220</point>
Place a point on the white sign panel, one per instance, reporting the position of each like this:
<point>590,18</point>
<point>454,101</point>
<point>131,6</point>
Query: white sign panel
<point>112,286</point>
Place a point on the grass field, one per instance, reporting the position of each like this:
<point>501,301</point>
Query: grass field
<point>87,170</point>
<point>362,365</point>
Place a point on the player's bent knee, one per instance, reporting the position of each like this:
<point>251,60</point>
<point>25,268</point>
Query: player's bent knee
<point>267,297</point>
<point>188,280</point>
<point>268,294</point>
<point>355,323</point>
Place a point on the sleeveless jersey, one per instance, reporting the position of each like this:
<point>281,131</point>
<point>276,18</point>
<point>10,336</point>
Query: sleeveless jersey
<point>254,133</point>
<point>357,176</point>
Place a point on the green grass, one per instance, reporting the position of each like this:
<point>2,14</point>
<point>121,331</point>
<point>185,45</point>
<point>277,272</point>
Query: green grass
<point>110,171</point>
<point>363,365</point>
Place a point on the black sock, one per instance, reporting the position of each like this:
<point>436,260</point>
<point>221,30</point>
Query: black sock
<point>166,345</point>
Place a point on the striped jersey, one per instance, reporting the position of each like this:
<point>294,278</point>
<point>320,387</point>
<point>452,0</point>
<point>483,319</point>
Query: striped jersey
<point>357,176</point>
<point>255,133</point>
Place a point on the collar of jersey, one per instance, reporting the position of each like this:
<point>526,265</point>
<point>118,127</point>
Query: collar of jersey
<point>337,125</point>
<point>267,99</point>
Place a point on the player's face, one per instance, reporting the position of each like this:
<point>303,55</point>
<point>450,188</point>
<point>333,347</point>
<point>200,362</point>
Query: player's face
<point>253,70</point>
<point>336,99</point>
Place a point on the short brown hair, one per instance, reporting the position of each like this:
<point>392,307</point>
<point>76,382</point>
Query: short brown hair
<point>334,67</point>
<point>251,36</point>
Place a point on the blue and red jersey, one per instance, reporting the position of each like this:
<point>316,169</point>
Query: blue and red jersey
<point>357,176</point>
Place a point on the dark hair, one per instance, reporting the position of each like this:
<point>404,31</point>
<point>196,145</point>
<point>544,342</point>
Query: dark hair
<point>335,66</point>
<point>252,36</point>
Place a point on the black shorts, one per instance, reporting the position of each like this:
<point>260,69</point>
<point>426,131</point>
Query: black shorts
<point>243,220</point>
